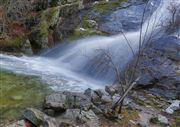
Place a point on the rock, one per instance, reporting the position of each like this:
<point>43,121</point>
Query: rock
<point>49,112</point>
<point>144,118</point>
<point>110,90</point>
<point>99,92</point>
<point>39,118</point>
<point>64,124</point>
<point>105,99</point>
<point>88,92</point>
<point>80,118</point>
<point>95,99</point>
<point>109,113</point>
<point>159,119</point>
<point>174,106</point>
<point>56,102</point>
<point>125,18</point>
<point>26,48</point>
<point>78,100</point>
<point>163,120</point>
<point>90,24</point>
<point>143,124</point>
<point>64,100</point>
<point>20,123</point>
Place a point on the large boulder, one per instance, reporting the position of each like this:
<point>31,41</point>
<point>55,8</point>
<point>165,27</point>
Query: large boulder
<point>38,118</point>
<point>78,117</point>
<point>62,101</point>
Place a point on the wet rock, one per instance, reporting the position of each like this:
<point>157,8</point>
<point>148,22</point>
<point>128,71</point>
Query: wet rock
<point>39,118</point>
<point>110,90</point>
<point>127,17</point>
<point>173,107</point>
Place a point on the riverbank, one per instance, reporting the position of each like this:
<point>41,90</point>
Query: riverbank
<point>93,109</point>
<point>19,92</point>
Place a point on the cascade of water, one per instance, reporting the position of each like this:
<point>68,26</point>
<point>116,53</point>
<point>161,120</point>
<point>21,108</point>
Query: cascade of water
<point>62,65</point>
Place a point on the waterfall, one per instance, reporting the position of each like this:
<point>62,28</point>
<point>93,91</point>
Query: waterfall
<point>72,66</point>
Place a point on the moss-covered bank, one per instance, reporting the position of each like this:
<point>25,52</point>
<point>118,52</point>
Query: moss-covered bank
<point>18,92</point>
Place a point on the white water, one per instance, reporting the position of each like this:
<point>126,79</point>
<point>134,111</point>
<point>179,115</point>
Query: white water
<point>69,67</point>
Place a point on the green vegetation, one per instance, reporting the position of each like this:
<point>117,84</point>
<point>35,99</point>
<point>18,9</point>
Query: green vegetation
<point>48,18</point>
<point>81,32</point>
<point>12,42</point>
<point>19,92</point>
<point>51,16</point>
<point>104,6</point>
<point>43,30</point>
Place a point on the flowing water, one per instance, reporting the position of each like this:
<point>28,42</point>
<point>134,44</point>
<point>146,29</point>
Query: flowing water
<point>73,66</point>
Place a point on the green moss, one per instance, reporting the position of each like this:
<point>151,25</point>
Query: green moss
<point>19,92</point>
<point>51,16</point>
<point>12,42</point>
<point>104,6</point>
<point>43,29</point>
<point>81,32</point>
<point>101,7</point>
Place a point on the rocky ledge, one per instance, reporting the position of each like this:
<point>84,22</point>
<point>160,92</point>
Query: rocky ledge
<point>93,108</point>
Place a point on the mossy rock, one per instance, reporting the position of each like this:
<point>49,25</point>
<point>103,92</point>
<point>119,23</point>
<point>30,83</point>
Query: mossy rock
<point>51,16</point>
<point>104,6</point>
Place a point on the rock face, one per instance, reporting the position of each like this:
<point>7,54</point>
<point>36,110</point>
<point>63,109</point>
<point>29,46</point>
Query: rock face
<point>38,21</point>
<point>128,18</point>
<point>162,58</point>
